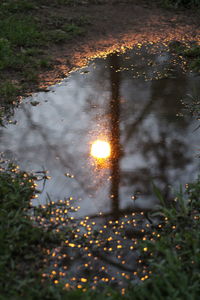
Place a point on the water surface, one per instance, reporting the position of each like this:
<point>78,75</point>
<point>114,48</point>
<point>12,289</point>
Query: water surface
<point>133,101</point>
<point>130,100</point>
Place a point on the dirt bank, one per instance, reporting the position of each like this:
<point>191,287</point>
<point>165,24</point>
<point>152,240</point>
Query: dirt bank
<point>40,44</point>
<point>117,26</point>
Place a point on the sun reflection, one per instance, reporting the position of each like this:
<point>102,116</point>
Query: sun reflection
<point>100,149</point>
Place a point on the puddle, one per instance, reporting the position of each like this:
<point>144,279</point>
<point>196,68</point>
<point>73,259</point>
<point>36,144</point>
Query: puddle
<point>133,102</point>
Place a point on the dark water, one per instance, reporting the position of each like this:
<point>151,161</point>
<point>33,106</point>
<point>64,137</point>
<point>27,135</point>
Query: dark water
<point>139,117</point>
<point>133,101</point>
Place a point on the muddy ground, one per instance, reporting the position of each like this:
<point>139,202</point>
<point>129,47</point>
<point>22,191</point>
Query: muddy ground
<point>109,25</point>
<point>115,26</point>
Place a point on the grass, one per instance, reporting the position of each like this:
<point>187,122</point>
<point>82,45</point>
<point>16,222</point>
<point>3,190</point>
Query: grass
<point>68,32</point>
<point>18,6</point>
<point>20,32</point>
<point>25,40</point>
<point>173,254</point>
<point>191,52</point>
<point>22,243</point>
<point>27,35</point>
<point>5,53</point>
<point>192,104</point>
<point>194,55</point>
<point>195,65</point>
<point>170,252</point>
<point>8,91</point>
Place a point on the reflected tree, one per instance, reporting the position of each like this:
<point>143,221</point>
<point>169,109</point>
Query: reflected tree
<point>115,132</point>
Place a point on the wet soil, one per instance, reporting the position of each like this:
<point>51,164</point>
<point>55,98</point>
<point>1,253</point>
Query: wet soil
<point>114,26</point>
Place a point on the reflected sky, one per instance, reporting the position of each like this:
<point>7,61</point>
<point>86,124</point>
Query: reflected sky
<point>130,100</point>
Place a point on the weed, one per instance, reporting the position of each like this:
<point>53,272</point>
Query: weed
<point>170,251</point>
<point>193,52</point>
<point>32,51</point>
<point>24,38</point>
<point>22,243</point>
<point>31,75</point>
<point>17,6</point>
<point>192,103</point>
<point>8,91</point>
<point>8,94</point>
<point>5,53</point>
<point>20,32</point>
<point>57,36</point>
<point>73,30</point>
<point>177,47</point>
<point>173,250</point>
<point>67,32</point>
<point>45,62</point>
<point>195,65</point>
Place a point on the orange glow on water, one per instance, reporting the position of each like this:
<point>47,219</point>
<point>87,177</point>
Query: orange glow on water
<point>100,149</point>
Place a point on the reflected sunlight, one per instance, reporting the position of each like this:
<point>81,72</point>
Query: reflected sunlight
<point>100,149</point>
